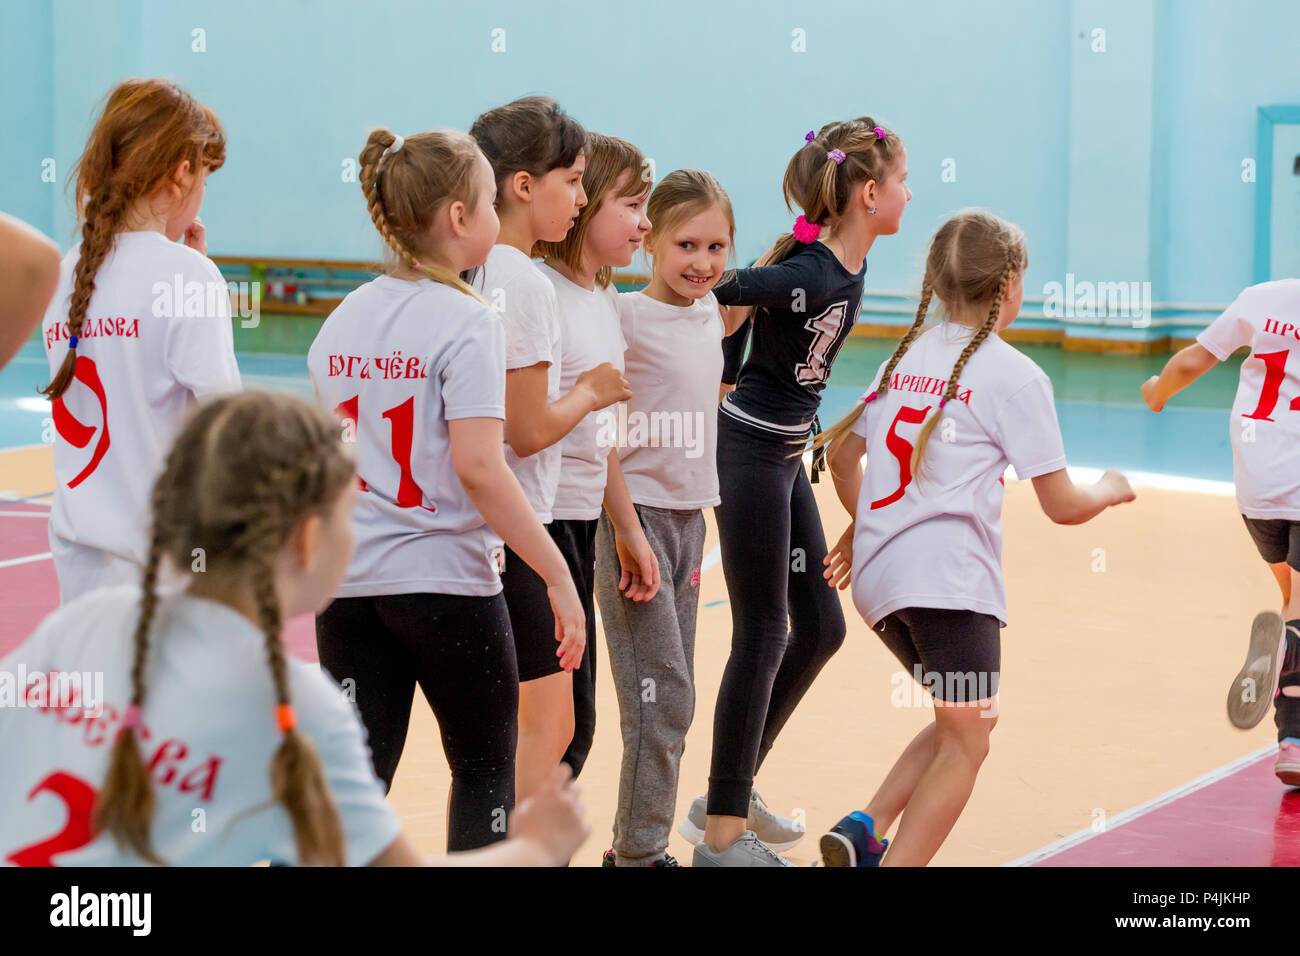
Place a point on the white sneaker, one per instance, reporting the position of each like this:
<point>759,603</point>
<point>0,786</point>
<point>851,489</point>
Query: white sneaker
<point>779,833</point>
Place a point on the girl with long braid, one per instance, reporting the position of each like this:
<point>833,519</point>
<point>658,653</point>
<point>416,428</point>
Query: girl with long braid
<point>167,760</point>
<point>924,551</point>
<point>414,362</point>
<point>138,330</point>
<point>849,180</point>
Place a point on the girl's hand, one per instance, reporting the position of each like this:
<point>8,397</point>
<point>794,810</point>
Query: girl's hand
<point>570,623</point>
<point>1149,394</point>
<point>639,580</point>
<point>553,818</point>
<point>606,384</point>
<point>839,560</point>
<point>1117,487</point>
<point>196,237</point>
<point>723,389</point>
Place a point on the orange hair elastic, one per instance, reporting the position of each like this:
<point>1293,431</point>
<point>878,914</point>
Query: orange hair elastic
<point>285,718</point>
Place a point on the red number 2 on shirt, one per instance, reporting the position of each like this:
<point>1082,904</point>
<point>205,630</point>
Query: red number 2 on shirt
<point>901,449</point>
<point>79,798</point>
<point>401,420</point>
<point>1274,372</point>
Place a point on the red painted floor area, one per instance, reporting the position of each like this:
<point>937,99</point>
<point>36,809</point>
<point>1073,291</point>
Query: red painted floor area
<point>1248,818</point>
<point>31,590</point>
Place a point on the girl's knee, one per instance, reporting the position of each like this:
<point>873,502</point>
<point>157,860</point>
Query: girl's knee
<point>963,728</point>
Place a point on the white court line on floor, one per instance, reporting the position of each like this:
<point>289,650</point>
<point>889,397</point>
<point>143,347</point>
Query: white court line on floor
<point>24,514</point>
<point>1127,816</point>
<point>26,560</point>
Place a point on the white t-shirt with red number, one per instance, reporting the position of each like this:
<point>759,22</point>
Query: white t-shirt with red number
<point>591,333</point>
<point>937,542</point>
<point>398,360</point>
<point>156,339</point>
<point>516,287</point>
<point>1265,430</point>
<point>208,732</point>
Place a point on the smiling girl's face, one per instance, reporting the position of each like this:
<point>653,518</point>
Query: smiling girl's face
<point>617,228</point>
<point>691,259</point>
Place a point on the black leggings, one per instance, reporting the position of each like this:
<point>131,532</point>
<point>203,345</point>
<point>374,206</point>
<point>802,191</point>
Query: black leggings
<point>460,651</point>
<point>785,621</point>
<point>576,539</point>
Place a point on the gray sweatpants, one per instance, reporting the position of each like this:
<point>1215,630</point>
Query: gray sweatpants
<point>652,658</point>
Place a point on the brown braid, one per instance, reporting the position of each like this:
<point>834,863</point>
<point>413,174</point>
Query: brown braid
<point>297,776</point>
<point>124,805</point>
<point>951,391</point>
<point>147,130</point>
<point>405,189</point>
<point>260,463</point>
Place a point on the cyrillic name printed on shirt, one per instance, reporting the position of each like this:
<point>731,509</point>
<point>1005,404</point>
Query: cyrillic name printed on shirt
<point>121,326</point>
<point>388,366</point>
<point>926,385</point>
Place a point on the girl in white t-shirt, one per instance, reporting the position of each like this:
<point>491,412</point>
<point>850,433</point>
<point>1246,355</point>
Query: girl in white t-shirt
<point>138,329</point>
<point>667,447</point>
<point>606,234</point>
<point>1265,436</point>
<point>536,151</point>
<point>925,547</point>
<point>139,717</point>
<point>414,363</point>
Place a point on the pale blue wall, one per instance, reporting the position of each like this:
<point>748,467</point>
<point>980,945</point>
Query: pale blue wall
<point>26,121</point>
<point>1123,165</point>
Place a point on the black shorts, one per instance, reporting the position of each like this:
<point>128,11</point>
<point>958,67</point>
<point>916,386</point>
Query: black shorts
<point>1278,539</point>
<point>956,655</point>
<point>531,619</point>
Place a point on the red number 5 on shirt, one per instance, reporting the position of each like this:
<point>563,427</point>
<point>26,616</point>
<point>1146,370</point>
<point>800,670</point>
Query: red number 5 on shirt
<point>901,449</point>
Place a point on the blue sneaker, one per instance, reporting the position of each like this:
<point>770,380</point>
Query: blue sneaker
<point>852,842</point>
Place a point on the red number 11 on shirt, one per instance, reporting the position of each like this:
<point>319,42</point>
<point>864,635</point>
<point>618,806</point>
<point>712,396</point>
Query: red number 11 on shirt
<point>401,420</point>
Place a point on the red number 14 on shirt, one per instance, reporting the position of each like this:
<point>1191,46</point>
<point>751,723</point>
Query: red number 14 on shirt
<point>1274,372</point>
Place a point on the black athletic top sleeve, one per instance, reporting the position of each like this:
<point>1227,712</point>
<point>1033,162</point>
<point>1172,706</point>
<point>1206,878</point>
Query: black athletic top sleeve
<point>733,353</point>
<point>807,306</point>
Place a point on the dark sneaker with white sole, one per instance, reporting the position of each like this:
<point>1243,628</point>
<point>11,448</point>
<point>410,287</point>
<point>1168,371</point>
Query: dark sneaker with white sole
<point>852,842</point>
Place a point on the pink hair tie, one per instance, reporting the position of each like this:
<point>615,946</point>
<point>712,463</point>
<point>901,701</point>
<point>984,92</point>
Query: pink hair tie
<point>871,397</point>
<point>131,719</point>
<point>806,231</point>
<point>941,401</point>
<point>880,133</point>
<point>810,136</point>
<point>837,155</point>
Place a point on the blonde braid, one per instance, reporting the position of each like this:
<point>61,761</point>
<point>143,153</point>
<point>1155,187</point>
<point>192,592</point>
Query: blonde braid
<point>976,340</point>
<point>375,206</point>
